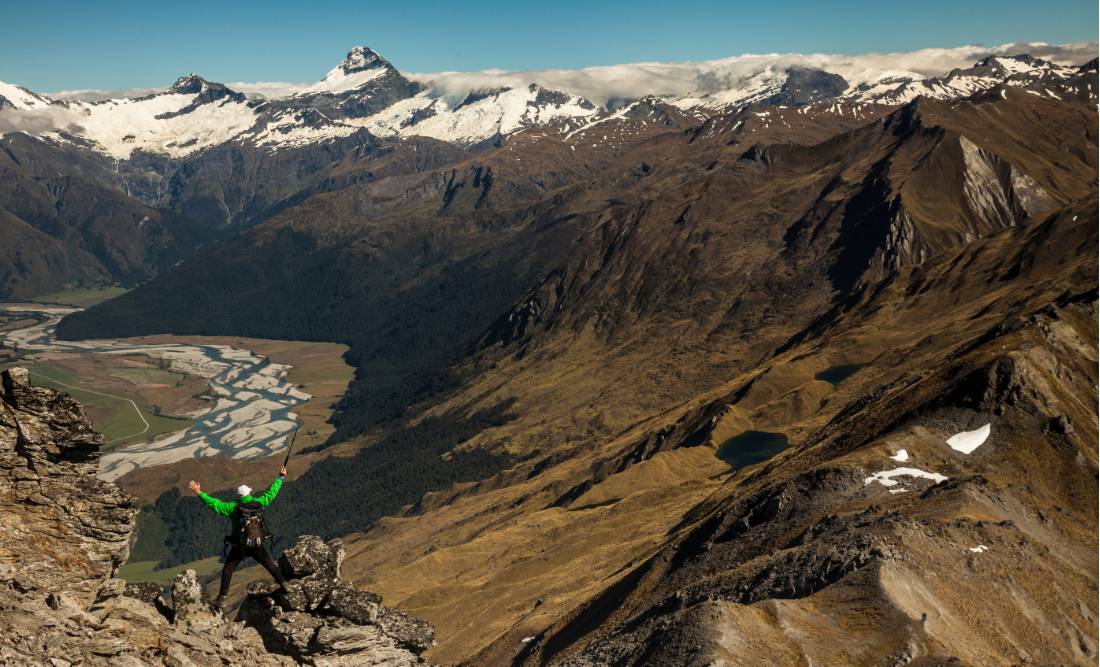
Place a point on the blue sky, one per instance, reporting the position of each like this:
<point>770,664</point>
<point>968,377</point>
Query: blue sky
<point>54,45</point>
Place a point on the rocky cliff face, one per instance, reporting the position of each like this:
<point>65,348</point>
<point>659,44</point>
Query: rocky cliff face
<point>63,534</point>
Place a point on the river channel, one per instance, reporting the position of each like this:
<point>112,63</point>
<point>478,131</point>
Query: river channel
<point>251,401</point>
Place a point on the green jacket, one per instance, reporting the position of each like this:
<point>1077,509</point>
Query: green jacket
<point>229,507</point>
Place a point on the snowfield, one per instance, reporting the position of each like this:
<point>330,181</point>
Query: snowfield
<point>122,126</point>
<point>501,112</point>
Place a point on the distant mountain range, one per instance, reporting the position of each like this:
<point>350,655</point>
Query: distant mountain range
<point>365,91</point>
<point>115,191</point>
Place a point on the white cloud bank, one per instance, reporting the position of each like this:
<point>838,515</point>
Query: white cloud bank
<point>37,122</point>
<point>600,84</point>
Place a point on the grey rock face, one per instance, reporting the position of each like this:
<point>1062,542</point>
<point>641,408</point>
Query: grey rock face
<point>808,86</point>
<point>63,534</point>
<point>63,529</point>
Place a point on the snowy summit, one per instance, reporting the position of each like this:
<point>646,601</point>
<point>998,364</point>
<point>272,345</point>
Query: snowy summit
<point>361,66</point>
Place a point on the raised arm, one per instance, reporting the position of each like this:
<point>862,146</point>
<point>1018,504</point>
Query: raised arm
<point>267,496</point>
<point>220,506</point>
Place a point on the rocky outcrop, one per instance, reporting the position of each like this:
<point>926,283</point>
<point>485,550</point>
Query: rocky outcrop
<point>60,527</point>
<point>323,619</point>
<point>63,534</point>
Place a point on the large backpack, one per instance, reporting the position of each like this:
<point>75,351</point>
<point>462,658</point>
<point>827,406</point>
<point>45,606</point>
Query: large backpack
<point>252,530</point>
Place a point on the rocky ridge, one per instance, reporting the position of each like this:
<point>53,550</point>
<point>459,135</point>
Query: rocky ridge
<point>64,533</point>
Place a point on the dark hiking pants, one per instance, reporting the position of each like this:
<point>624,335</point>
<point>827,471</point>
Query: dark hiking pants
<point>239,553</point>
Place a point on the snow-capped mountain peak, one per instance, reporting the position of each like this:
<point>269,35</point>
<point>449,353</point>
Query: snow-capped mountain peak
<point>190,84</point>
<point>361,66</point>
<point>205,92</point>
<point>1010,65</point>
<point>361,58</point>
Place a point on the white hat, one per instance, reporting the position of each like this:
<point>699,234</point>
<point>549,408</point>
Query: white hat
<point>244,490</point>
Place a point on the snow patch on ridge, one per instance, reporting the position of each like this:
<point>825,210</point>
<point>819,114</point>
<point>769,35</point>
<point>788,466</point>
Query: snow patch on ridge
<point>886,477</point>
<point>967,441</point>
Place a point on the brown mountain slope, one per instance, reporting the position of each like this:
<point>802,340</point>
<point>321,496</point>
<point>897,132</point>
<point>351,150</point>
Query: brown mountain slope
<point>775,565</point>
<point>696,275</point>
<point>102,234</point>
<point>32,262</point>
<point>637,306</point>
<point>508,558</point>
<point>589,358</point>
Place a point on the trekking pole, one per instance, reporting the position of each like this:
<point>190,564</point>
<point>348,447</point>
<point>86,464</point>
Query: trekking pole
<point>291,447</point>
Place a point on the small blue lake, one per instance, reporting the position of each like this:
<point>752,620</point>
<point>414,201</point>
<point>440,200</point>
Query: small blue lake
<point>834,375</point>
<point>751,447</point>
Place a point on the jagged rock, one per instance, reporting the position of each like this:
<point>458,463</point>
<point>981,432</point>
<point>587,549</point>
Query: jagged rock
<point>188,599</point>
<point>150,594</point>
<point>355,605</point>
<point>349,644</point>
<point>177,657</point>
<point>306,594</point>
<point>312,555</point>
<point>106,646</point>
<point>347,623</point>
<point>321,616</point>
<point>112,588</point>
<point>296,630</point>
<point>408,631</point>
<point>312,567</point>
<point>63,534</point>
<point>63,528</point>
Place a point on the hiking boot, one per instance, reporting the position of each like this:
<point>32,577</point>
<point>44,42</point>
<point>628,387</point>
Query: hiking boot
<point>219,603</point>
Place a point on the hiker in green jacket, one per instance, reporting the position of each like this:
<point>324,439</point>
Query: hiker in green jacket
<point>246,532</point>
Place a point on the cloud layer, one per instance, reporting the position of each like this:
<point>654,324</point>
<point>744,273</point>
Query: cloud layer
<point>38,122</point>
<point>600,84</point>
